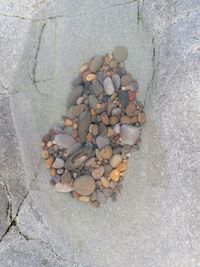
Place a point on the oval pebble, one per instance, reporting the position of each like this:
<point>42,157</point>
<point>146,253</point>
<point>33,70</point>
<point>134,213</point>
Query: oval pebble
<point>97,173</point>
<point>58,163</point>
<point>63,188</point>
<point>108,86</point>
<point>64,140</point>
<point>100,197</point>
<point>129,134</point>
<point>96,63</point>
<point>84,185</point>
<point>102,141</point>
<point>116,81</point>
<point>120,53</point>
<point>115,160</point>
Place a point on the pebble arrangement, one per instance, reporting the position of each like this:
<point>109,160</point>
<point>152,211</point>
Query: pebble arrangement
<point>88,156</point>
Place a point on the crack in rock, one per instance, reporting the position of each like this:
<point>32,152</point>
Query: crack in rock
<point>9,207</point>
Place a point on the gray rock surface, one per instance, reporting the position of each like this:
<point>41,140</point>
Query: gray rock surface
<point>156,220</point>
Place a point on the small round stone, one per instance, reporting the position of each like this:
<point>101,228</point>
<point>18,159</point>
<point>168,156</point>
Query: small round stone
<point>114,120</point>
<point>84,185</point>
<point>108,86</point>
<point>116,111</point>
<point>125,80</point>
<point>102,141</point>
<point>48,162</point>
<point>130,109</point>
<point>68,122</point>
<point>84,198</point>
<point>80,100</point>
<point>114,175</point>
<point>131,95</point>
<point>106,152</point>
<point>141,118</point>
<point>66,177</point>
<point>92,101</point>
<point>102,129</point>
<point>107,169</point>
<point>59,171</point>
<point>116,129</point>
<point>107,192</point>
<point>105,118</point>
<point>115,160</point>
<point>90,77</point>
<point>122,167</point>
<point>105,182</point>
<point>120,53</point>
<point>96,63</point>
<point>97,87</point>
<point>97,173</point>
<point>75,111</point>
<point>123,98</point>
<point>58,163</point>
<point>45,154</point>
<point>94,129</point>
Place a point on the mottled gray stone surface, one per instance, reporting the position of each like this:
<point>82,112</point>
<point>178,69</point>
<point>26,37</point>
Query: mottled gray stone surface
<point>156,221</point>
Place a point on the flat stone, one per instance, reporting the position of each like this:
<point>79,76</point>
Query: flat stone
<point>106,152</point>
<point>98,173</point>
<point>96,63</point>
<point>115,160</point>
<point>97,88</point>
<point>125,80</point>
<point>116,111</point>
<point>80,100</point>
<point>123,98</point>
<point>75,111</point>
<point>92,101</point>
<point>120,53</point>
<point>102,141</point>
<point>78,158</point>
<point>108,86</point>
<point>130,109</point>
<point>84,198</point>
<point>116,81</point>
<point>58,163</point>
<point>64,140</point>
<point>83,126</point>
<point>107,169</point>
<point>73,148</point>
<point>90,163</point>
<point>84,185</point>
<point>63,188</point>
<point>102,129</point>
<point>66,177</point>
<point>129,134</point>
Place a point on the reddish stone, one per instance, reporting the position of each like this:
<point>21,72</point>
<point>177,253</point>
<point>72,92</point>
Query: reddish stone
<point>131,95</point>
<point>46,138</point>
<point>141,118</point>
<point>105,118</point>
<point>74,133</point>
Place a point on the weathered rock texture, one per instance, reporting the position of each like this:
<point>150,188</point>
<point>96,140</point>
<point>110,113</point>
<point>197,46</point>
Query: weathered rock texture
<point>156,222</point>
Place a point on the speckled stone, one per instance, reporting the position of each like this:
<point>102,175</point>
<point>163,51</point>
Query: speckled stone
<point>97,88</point>
<point>108,86</point>
<point>84,185</point>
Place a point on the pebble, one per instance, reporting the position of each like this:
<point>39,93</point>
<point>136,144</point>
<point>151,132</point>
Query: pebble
<point>107,192</point>
<point>116,81</point>
<point>102,141</point>
<point>106,152</point>
<point>84,123</point>
<point>97,173</point>
<point>68,122</point>
<point>122,167</point>
<point>97,87</point>
<point>111,106</point>
<point>84,75</point>
<point>110,132</point>
<point>45,154</point>
<point>60,171</point>
<point>75,111</point>
<point>94,129</point>
<point>66,177</point>
<point>96,63</point>
<point>78,158</point>
<point>100,77</point>
<point>130,109</point>
<point>126,149</point>
<point>89,137</point>
<point>108,86</point>
<point>125,120</point>
<point>52,172</point>
<point>84,67</point>
<point>125,80</point>
<point>114,175</point>
<point>115,160</point>
<point>92,101</point>
<point>105,182</point>
<point>90,163</point>
<point>116,111</point>
<point>120,53</point>
<point>84,185</point>
<point>56,178</point>
<point>100,197</point>
<point>63,188</point>
<point>90,77</point>
<point>105,118</point>
<point>72,149</point>
<point>114,120</point>
<point>123,98</point>
<point>102,129</point>
<point>141,118</point>
<point>84,198</point>
<point>58,163</point>
<point>113,64</point>
<point>133,86</point>
<point>74,94</point>
<point>131,95</point>
<point>116,129</point>
<point>64,140</point>
<point>107,169</point>
<point>80,100</point>
<point>129,134</point>
<point>48,162</point>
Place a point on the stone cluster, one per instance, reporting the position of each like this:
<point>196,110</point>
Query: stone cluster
<point>88,156</point>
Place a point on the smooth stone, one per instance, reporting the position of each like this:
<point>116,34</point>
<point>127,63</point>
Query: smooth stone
<point>113,64</point>
<point>116,111</point>
<point>75,93</point>
<point>116,129</point>
<point>126,149</point>
<point>93,196</point>
<point>72,149</point>
<point>120,53</point>
<point>77,81</point>
<point>122,167</point>
<point>107,169</point>
<point>78,158</point>
<point>56,178</point>
<point>100,197</point>
<point>102,129</point>
<point>92,101</point>
<point>131,95</point>
<point>84,123</point>
<point>116,81</point>
<point>129,134</point>
<point>100,77</point>
<point>106,152</point>
<point>105,182</point>
<point>107,192</point>
<point>130,109</point>
<point>125,80</point>
<point>105,118</point>
<point>115,160</point>
<point>84,185</point>
<point>97,88</point>
<point>126,120</point>
<point>84,198</point>
<point>108,86</point>
<point>66,177</point>
<point>98,173</point>
<point>133,86</point>
<point>59,171</point>
<point>96,63</point>
<point>90,163</point>
<point>75,111</point>
<point>58,163</point>
<point>117,150</point>
<point>94,129</point>
<point>141,118</point>
<point>114,120</point>
<point>64,140</point>
<point>102,141</point>
<point>123,98</point>
<point>114,175</point>
<point>110,132</point>
<point>63,188</point>
<point>111,106</point>
<point>80,100</point>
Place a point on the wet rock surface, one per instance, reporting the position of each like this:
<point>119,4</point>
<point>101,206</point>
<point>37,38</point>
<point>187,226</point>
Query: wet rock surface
<point>89,156</point>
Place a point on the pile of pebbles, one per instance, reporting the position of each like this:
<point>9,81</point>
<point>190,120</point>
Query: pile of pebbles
<point>88,156</point>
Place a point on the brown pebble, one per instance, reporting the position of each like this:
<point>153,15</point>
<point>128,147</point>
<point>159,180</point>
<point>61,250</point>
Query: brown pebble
<point>84,185</point>
<point>68,122</point>
<point>105,182</point>
<point>74,133</point>
<point>97,173</point>
<point>130,109</point>
<point>141,118</point>
<point>49,162</point>
<point>110,132</point>
<point>84,198</point>
<point>114,175</point>
<point>89,137</point>
<point>122,167</point>
<point>114,120</point>
<point>52,171</point>
<point>115,160</point>
<point>45,154</point>
<point>105,118</point>
<point>125,120</point>
<point>106,152</point>
<point>66,177</point>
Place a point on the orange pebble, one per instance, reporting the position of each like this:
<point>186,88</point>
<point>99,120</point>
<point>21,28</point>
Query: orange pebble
<point>122,167</point>
<point>114,175</point>
<point>93,112</point>
<point>52,171</point>
<point>91,77</point>
<point>89,137</point>
<point>49,162</point>
<point>68,122</point>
